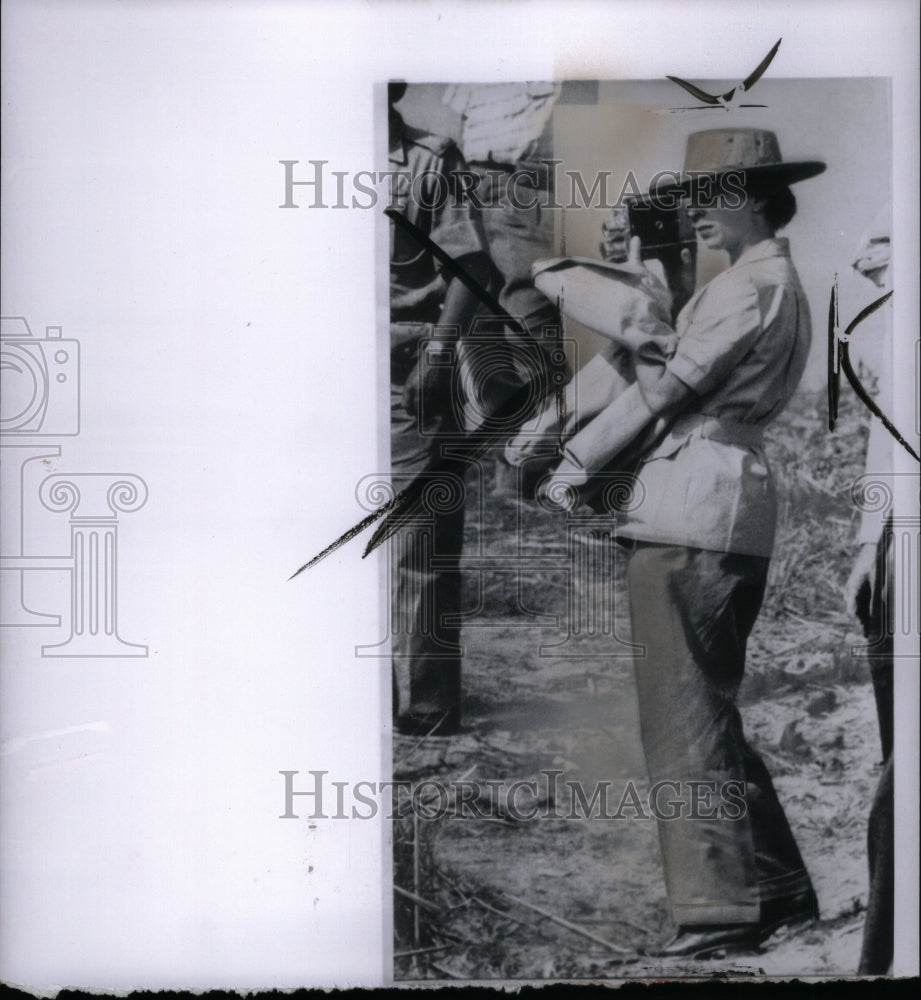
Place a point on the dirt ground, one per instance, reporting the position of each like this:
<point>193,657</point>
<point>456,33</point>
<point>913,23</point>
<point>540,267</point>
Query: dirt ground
<point>557,898</point>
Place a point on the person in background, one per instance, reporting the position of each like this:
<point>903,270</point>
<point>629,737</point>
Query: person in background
<point>430,313</point>
<point>868,593</point>
<point>506,138</point>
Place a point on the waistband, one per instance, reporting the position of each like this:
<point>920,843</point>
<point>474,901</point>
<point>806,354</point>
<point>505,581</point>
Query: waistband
<point>533,173</point>
<point>721,429</point>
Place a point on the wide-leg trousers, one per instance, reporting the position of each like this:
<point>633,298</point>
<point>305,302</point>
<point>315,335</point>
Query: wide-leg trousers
<point>693,610</point>
<point>425,569</point>
<point>875,610</point>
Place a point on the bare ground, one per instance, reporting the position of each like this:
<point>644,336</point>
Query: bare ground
<point>557,898</point>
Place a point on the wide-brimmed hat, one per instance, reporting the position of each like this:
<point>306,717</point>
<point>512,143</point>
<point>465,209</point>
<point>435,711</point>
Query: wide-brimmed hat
<point>751,155</point>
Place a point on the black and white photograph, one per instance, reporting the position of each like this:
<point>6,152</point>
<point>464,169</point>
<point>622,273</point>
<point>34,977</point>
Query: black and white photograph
<point>459,494</point>
<point>639,551</point>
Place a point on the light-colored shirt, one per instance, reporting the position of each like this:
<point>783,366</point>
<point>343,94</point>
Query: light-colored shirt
<point>502,122</point>
<point>425,191</point>
<point>743,341</point>
<point>871,350</point>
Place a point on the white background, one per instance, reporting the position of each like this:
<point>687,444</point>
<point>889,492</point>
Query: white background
<point>229,358</point>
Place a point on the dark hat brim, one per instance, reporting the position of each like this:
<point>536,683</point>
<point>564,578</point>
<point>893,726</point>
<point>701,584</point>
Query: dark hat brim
<point>771,175</point>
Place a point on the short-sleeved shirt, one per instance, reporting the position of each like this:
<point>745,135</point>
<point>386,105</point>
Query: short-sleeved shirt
<point>426,191</point>
<point>504,122</point>
<point>743,341</point>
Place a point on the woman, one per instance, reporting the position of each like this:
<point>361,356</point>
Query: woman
<point>701,535</point>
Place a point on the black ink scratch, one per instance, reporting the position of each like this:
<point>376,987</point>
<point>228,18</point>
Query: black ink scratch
<point>455,269</point>
<point>348,536</point>
<point>403,507</point>
<point>839,361</point>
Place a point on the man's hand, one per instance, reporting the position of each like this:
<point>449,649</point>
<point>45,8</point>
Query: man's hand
<point>635,252</point>
<point>424,390</point>
<point>629,251</point>
<point>860,584</point>
<point>615,236</point>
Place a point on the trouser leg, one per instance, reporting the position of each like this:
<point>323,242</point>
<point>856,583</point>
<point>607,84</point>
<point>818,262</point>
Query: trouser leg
<point>881,675</point>
<point>877,948</point>
<point>426,593</point>
<point>425,575</point>
<point>519,232</point>
<point>876,951</point>
<point>693,611</point>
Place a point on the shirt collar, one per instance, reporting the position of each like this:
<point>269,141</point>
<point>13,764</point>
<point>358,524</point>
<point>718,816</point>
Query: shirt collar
<point>774,246</point>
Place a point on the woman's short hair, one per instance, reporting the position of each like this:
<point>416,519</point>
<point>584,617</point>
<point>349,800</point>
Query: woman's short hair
<point>779,205</point>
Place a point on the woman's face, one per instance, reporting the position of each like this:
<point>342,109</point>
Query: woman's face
<point>729,229</point>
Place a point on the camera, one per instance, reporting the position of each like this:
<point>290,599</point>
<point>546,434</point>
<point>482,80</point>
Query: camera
<point>40,381</point>
<point>662,231</point>
<point>667,235</point>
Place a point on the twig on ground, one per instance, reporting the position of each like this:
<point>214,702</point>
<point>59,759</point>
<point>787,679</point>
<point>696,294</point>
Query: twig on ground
<point>636,927</point>
<point>458,938</point>
<point>465,899</point>
<point>575,928</point>
<point>795,645</point>
<point>418,900</point>
<point>820,623</point>
<point>419,742</point>
<point>814,483</point>
<point>422,951</point>
<point>775,758</point>
<point>501,913</point>
<point>445,972</point>
<point>405,809</point>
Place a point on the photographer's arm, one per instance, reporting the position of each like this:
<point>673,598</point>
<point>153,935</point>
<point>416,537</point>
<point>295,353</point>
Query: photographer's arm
<point>635,416</point>
<point>661,392</point>
<point>722,331</point>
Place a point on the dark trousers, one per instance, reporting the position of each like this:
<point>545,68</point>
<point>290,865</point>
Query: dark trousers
<point>875,612</point>
<point>425,571</point>
<point>693,610</point>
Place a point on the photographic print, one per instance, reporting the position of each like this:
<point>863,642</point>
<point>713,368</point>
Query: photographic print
<point>633,721</point>
<point>459,494</point>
